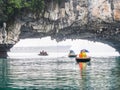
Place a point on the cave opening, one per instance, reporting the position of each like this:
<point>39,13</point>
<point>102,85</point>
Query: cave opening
<point>34,45</point>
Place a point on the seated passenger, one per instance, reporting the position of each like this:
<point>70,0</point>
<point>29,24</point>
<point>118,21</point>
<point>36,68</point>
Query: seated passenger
<point>82,54</point>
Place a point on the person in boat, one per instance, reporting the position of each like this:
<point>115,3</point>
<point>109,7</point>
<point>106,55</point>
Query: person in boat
<point>71,52</point>
<point>43,53</point>
<point>82,54</point>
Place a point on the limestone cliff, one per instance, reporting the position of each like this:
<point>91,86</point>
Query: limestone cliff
<point>88,19</point>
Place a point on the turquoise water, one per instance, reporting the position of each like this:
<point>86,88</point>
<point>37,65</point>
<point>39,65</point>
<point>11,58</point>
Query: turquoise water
<point>59,73</point>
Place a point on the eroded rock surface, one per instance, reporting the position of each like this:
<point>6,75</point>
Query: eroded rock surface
<point>96,20</point>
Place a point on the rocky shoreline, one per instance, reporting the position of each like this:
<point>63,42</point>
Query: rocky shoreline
<point>4,48</point>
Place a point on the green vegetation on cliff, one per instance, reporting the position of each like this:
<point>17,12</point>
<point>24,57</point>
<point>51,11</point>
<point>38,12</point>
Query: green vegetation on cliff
<point>9,8</point>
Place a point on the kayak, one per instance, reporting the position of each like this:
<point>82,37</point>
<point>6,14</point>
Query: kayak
<point>82,59</point>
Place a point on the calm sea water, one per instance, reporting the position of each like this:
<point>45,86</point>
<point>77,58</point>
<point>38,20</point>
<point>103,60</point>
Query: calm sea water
<point>29,71</point>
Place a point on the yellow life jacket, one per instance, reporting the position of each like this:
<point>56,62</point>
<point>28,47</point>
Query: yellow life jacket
<point>84,54</point>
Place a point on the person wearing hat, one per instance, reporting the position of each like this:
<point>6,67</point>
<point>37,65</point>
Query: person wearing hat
<point>82,54</point>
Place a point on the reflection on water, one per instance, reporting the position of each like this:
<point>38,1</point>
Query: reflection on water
<point>60,73</point>
<point>82,66</point>
<point>3,72</point>
<point>83,82</point>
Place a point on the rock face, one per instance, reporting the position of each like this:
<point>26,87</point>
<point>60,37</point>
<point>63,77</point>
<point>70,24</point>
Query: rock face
<point>87,19</point>
<point>4,48</point>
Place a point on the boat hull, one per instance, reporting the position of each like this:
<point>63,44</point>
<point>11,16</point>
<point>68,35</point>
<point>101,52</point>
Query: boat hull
<point>72,55</point>
<point>43,55</point>
<point>82,59</point>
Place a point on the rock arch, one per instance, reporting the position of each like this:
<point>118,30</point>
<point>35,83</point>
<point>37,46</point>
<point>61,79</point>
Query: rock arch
<point>74,19</point>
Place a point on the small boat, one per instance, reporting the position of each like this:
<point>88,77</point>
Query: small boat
<point>72,54</point>
<point>82,59</point>
<point>43,54</point>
